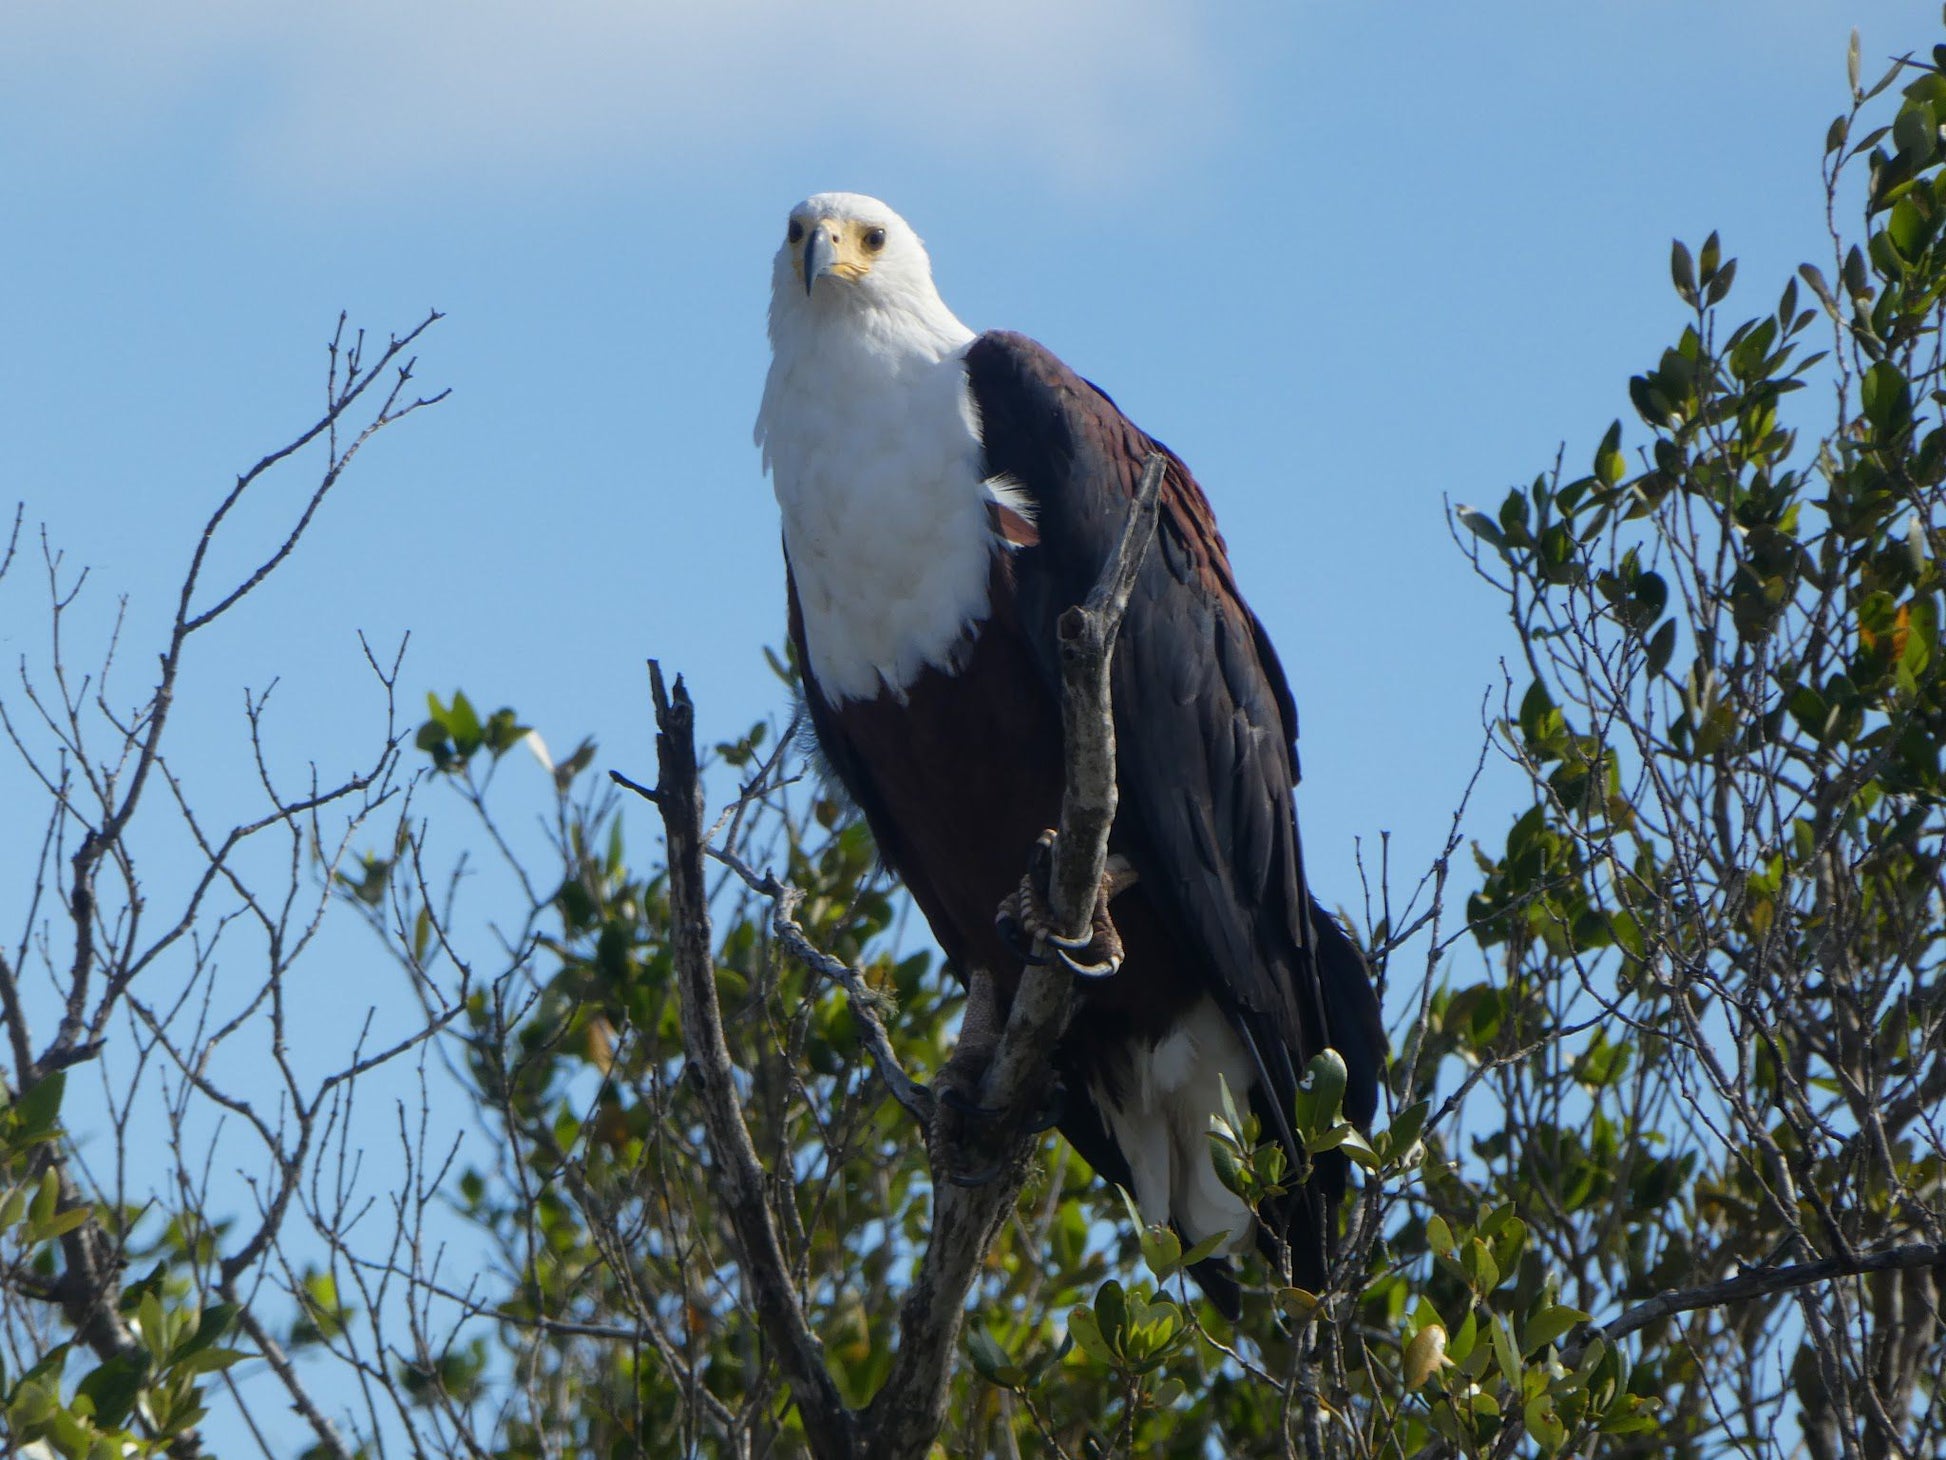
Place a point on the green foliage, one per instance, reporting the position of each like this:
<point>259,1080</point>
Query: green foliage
<point>1730,876</point>
<point>141,1398</point>
<point>1698,1037</point>
<point>1703,1037</point>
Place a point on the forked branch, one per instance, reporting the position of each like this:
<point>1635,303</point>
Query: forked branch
<point>906,1415</point>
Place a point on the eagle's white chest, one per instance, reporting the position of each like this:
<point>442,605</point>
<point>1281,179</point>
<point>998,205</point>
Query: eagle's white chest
<point>877,465</point>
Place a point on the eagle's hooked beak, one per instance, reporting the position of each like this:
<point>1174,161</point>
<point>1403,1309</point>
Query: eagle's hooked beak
<point>820,253</point>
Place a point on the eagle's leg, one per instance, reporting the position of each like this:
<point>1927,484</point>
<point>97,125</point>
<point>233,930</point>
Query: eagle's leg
<point>958,1113</point>
<point>961,1121</point>
<point>957,1085</point>
<point>1024,916</point>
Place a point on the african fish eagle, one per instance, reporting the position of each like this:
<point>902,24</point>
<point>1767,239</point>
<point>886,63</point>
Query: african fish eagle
<point>945,496</point>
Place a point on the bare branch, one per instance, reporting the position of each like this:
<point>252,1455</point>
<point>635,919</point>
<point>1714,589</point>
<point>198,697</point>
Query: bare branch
<point>736,1172</point>
<point>907,1413</point>
<point>1762,1281</point>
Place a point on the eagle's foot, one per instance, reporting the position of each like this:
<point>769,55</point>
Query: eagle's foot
<point>972,1138</point>
<point>1025,918</point>
<point>964,1105</point>
<point>967,1152</point>
<point>1052,1109</point>
<point>973,1142</point>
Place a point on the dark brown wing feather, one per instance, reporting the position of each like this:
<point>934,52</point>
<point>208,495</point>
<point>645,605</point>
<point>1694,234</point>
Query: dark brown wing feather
<point>958,774</point>
<point>1205,723</point>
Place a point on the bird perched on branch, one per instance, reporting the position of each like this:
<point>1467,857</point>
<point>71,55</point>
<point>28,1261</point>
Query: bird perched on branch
<point>946,496</point>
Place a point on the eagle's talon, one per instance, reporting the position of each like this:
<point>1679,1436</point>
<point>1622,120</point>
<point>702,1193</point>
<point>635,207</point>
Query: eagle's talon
<point>1024,917</point>
<point>958,1101</point>
<point>1104,968</point>
<point>1040,861</point>
<point>976,1178</point>
<point>1014,936</point>
<point>1051,1111</point>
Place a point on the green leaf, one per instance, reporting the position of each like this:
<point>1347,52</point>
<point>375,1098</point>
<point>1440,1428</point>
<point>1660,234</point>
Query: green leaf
<point>41,1209</point>
<point>1232,1117</point>
<point>1915,133</point>
<point>1720,282</point>
<point>1352,1142</point>
<point>1204,1249</point>
<point>1461,1344</point>
<point>211,1324</point>
<point>1403,1134</point>
<point>154,1326</point>
<point>1706,261</point>
<point>1908,229</point>
<point>1609,461</point>
<point>1111,1310</point>
<point>503,731</point>
<point>1544,1423</point>
<point>574,765</point>
<point>1319,1095</point>
<point>1161,1250</point>
<point>1504,1352</point>
<point>1661,645</point>
<point>32,1403</point>
<point>463,723</point>
<point>1439,1236</point>
<point>989,1359</point>
<point>59,1225</point>
<point>1885,397</point>
<point>113,1387</point>
<point>1482,1272</point>
<point>1483,527</point>
<point>1682,270</point>
<point>39,1108</point>
<point>1229,1170</point>
<point>1297,1304</point>
<point>1085,1329</point>
<point>1548,1325</point>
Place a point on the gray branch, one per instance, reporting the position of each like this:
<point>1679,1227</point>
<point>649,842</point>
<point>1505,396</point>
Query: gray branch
<point>906,1415</point>
<point>735,1171</point>
<point>1762,1281</point>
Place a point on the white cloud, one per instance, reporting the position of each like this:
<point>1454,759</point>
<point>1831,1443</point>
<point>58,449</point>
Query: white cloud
<point>387,91</point>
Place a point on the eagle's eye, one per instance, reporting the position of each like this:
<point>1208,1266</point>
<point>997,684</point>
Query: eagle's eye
<point>796,232</point>
<point>874,239</point>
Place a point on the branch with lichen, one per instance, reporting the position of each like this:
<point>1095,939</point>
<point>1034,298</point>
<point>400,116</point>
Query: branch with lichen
<point>906,1415</point>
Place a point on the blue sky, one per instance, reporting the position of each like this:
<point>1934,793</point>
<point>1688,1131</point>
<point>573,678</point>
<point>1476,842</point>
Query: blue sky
<point>1348,260</point>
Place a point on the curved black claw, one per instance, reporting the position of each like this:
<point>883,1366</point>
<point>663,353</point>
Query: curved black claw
<point>1015,939</point>
<point>1107,967</point>
<point>1040,861</point>
<point>960,1103</point>
<point>976,1178</point>
<point>1050,1113</point>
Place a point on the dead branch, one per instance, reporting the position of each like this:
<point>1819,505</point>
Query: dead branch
<point>1761,1281</point>
<point>906,1415</point>
<point>739,1177</point>
<point>110,946</point>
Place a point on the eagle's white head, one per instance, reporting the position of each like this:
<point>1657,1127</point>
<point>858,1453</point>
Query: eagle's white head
<point>869,433</point>
<point>849,265</point>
